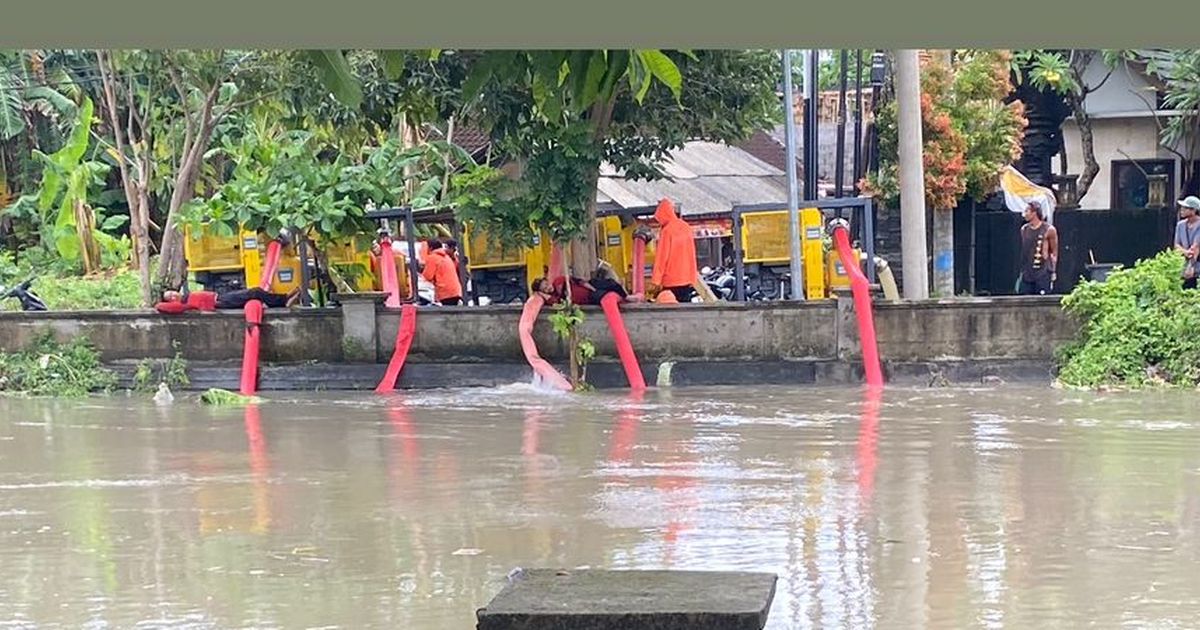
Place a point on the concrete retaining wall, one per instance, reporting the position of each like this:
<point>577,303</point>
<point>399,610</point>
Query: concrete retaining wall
<point>725,331</point>
<point>962,329</point>
<point>291,336</point>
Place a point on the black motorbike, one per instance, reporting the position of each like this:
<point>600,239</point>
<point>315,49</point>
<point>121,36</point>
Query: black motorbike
<point>723,284</point>
<point>23,294</point>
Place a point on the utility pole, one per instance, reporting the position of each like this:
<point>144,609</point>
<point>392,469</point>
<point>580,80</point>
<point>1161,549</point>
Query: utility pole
<point>912,177</point>
<point>839,167</point>
<point>789,134</point>
<point>812,154</point>
<point>943,227</point>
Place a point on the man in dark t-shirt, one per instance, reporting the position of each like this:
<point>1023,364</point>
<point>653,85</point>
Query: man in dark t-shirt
<point>237,299</point>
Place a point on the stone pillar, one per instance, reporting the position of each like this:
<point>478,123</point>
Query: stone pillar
<point>359,343</point>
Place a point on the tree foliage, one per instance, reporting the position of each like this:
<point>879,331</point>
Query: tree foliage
<point>968,133</point>
<point>279,181</point>
<point>563,114</point>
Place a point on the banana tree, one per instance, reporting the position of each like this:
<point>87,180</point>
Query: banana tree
<point>25,96</point>
<point>68,220</point>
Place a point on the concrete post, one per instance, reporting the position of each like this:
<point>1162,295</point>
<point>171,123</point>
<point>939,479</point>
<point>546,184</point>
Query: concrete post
<point>359,342</point>
<point>789,132</point>
<point>914,252</point>
<point>943,226</point>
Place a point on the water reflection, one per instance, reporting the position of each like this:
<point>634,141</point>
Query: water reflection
<point>919,508</point>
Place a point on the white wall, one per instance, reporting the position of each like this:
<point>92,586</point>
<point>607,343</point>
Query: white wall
<point>1121,122</point>
<point>1118,95</point>
<point>1137,137</point>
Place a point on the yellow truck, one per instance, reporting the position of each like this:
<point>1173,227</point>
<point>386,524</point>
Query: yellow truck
<point>222,263</point>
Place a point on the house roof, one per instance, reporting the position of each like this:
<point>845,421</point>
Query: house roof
<point>706,178</point>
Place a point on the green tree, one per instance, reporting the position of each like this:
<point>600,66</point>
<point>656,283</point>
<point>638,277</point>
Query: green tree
<point>163,109</point>
<point>969,134</point>
<point>566,113</point>
<point>67,179</point>
<point>1178,71</point>
<point>1061,71</point>
<point>37,107</point>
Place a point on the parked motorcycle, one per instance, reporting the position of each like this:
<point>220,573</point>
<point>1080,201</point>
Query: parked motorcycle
<point>23,294</point>
<point>723,284</point>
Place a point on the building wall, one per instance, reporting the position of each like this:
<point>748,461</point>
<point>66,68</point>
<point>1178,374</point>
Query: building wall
<point>1123,127</point>
<point>1114,139</point>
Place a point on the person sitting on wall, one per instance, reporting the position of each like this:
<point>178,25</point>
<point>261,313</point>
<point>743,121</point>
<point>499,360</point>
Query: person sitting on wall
<point>674,255</point>
<point>235,300</point>
<point>591,292</point>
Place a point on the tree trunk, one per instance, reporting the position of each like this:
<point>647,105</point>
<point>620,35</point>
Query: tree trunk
<point>136,194</point>
<point>573,336</point>
<point>85,224</point>
<point>584,255</point>
<point>1087,145</point>
<point>171,268</point>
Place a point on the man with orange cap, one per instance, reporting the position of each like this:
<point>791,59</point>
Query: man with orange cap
<point>674,254</point>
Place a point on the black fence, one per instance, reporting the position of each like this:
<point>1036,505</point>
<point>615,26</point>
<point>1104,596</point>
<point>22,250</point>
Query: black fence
<point>1112,236</point>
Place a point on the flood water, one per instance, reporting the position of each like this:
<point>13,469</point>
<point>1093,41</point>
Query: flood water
<point>1011,507</point>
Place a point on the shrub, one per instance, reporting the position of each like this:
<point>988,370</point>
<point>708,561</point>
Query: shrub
<point>50,368</point>
<point>1139,328</point>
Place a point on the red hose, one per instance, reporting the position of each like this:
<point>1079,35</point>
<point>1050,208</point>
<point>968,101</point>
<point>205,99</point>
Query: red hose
<point>555,269</point>
<point>404,339</point>
<point>274,249</point>
<point>254,315</point>
<point>868,443</point>
<point>638,285</point>
<point>633,371</point>
<point>387,273</point>
<point>625,433</point>
<point>862,307</point>
<point>551,376</point>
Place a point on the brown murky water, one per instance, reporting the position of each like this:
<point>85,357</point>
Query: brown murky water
<point>1010,507</point>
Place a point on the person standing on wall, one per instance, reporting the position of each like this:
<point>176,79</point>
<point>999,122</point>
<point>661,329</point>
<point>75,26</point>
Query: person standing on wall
<point>1187,239</point>
<point>1039,252</point>
<point>674,254</point>
<point>442,271</point>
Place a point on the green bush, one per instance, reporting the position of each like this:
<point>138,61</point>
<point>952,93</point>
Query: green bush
<point>50,368</point>
<point>1139,328</point>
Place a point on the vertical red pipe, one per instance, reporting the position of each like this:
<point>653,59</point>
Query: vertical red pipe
<point>254,314</point>
<point>556,269</point>
<point>387,273</point>
<point>404,339</point>
<point>274,249</point>
<point>633,371</point>
<point>638,285</point>
<point>862,307</point>
<point>540,366</point>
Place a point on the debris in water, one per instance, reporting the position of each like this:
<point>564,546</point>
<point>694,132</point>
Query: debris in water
<point>467,551</point>
<point>164,396</point>
<point>225,397</point>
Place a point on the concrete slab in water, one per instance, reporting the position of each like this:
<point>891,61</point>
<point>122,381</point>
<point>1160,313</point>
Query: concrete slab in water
<point>542,599</point>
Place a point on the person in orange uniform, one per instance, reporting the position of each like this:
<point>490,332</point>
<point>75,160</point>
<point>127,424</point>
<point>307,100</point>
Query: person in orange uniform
<point>674,254</point>
<point>442,271</point>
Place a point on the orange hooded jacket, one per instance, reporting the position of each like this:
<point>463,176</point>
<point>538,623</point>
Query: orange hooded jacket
<point>441,270</point>
<point>675,252</point>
